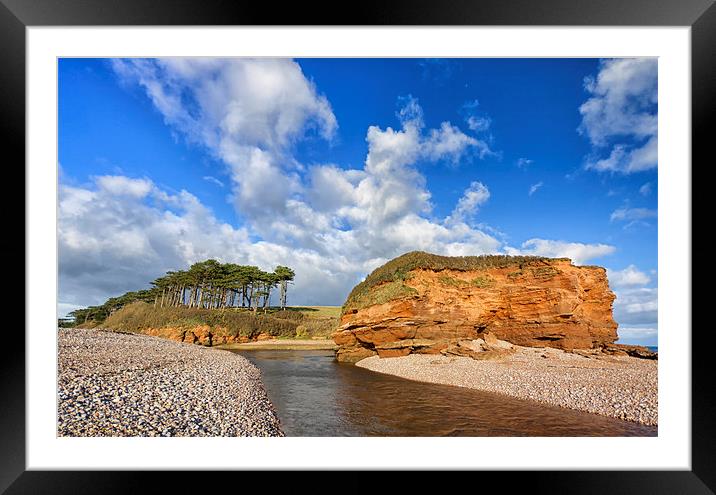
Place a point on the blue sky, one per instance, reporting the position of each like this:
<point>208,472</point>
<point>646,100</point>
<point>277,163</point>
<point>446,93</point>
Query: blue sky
<point>334,166</point>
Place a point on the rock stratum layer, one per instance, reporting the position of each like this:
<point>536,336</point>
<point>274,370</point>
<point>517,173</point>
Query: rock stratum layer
<point>424,303</point>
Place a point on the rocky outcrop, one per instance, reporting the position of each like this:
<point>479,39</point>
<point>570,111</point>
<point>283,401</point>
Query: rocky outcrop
<point>425,303</point>
<point>201,335</point>
<point>628,350</point>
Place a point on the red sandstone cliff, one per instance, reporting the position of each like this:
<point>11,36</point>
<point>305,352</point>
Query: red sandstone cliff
<point>420,302</point>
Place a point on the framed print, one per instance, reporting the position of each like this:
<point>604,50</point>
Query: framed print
<point>424,223</point>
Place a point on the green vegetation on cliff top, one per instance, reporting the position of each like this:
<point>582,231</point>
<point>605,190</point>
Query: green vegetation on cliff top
<point>396,271</point>
<point>298,322</point>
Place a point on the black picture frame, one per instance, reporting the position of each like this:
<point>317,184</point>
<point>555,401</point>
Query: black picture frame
<point>17,15</point>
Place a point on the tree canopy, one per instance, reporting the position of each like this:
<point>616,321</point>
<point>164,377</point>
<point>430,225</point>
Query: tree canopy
<point>207,284</point>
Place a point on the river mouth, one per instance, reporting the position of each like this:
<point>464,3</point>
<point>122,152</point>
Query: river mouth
<point>315,396</point>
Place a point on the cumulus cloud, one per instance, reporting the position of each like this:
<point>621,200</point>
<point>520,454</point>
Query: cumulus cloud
<point>246,112</point>
<point>467,206</point>
<point>627,159</point>
<point>120,186</point>
<point>446,142</point>
<point>621,115</point>
<point>645,190</point>
<point>629,276</point>
<point>535,187</point>
<point>410,112</point>
<point>449,141</point>
<point>578,252</point>
<point>263,102</point>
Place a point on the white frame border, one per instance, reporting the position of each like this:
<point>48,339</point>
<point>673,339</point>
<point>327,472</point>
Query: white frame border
<point>670,450</point>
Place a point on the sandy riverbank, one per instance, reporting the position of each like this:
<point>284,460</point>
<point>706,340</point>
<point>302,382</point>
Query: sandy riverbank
<point>112,384</point>
<point>283,345</point>
<point>618,386</point>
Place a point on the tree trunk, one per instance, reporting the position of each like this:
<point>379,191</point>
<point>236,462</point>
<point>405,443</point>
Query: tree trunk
<point>201,296</point>
<point>284,286</point>
<point>267,296</point>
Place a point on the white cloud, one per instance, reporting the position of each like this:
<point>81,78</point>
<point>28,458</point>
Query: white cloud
<point>331,188</point>
<point>478,124</point>
<point>627,160</point>
<point>246,112</point>
<point>645,190</point>
<point>119,185</point>
<point>578,252</point>
<point>473,197</point>
<point>636,305</point>
<point>213,180</point>
<point>632,214</point>
<point>410,111</point>
<point>523,162</point>
<point>449,141</point>
<point>629,276</point>
<point>535,187</point>
<point>621,115</point>
<point>446,142</point>
<point>622,99</point>
<point>476,121</point>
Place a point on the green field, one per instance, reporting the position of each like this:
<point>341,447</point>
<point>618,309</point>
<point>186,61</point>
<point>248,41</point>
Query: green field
<point>317,311</point>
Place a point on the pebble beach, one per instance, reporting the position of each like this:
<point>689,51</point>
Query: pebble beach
<point>113,384</point>
<point>618,386</point>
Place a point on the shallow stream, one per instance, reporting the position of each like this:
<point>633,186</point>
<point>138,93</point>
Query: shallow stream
<point>316,396</point>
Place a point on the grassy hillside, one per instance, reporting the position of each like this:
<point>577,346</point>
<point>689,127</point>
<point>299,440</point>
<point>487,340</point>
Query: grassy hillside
<point>298,322</point>
<point>391,276</point>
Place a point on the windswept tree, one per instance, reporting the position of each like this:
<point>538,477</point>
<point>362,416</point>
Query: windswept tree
<point>284,275</point>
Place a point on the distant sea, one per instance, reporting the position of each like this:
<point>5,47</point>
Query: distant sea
<point>653,348</point>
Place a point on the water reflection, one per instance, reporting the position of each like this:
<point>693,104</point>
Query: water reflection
<point>316,396</point>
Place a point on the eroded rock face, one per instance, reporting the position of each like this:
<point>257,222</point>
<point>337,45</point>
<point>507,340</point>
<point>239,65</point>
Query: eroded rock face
<point>201,335</point>
<point>540,303</point>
